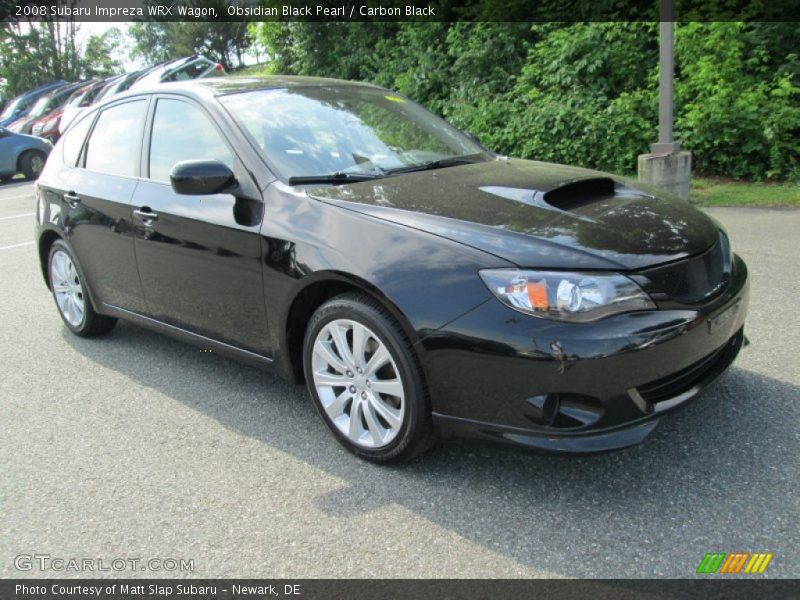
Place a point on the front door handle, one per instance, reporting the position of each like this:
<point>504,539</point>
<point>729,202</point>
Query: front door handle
<point>72,199</point>
<point>146,215</point>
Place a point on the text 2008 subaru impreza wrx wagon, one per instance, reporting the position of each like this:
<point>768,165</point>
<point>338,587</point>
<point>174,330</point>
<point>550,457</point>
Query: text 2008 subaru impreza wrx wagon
<point>421,285</point>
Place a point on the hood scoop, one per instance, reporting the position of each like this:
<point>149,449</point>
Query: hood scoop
<point>583,192</point>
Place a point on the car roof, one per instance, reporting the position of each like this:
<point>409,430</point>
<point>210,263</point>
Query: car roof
<point>203,89</point>
<point>220,86</point>
<point>44,88</point>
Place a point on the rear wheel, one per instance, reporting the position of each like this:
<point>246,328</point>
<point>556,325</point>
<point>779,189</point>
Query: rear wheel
<point>365,381</point>
<point>69,291</point>
<point>31,164</point>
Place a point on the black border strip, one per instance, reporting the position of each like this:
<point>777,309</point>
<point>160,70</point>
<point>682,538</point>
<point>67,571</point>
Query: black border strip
<point>399,10</point>
<point>397,589</point>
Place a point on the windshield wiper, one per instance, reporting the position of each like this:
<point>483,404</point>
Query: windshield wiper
<point>451,161</point>
<point>340,177</point>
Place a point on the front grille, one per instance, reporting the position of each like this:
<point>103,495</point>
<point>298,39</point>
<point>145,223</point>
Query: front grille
<point>694,279</point>
<point>675,384</point>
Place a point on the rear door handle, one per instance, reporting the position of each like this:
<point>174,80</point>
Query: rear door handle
<point>72,199</point>
<point>146,215</point>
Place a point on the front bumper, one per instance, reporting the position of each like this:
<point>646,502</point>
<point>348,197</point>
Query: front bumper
<point>576,388</point>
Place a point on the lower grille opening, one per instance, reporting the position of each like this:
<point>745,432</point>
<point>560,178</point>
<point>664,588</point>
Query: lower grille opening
<point>681,381</point>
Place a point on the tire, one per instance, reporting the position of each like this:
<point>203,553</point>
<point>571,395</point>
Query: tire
<point>338,388</point>
<point>68,286</point>
<point>31,164</point>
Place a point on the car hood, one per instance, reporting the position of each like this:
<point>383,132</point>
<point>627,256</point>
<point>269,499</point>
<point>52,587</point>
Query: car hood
<point>537,214</point>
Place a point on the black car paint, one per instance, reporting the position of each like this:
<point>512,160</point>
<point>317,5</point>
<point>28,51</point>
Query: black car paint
<point>504,206</point>
<point>236,270</point>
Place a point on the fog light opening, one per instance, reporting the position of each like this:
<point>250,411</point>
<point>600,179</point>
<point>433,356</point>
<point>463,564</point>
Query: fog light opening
<point>545,408</point>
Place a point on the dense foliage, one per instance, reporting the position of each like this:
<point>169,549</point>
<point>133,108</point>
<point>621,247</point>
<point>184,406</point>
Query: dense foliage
<point>45,51</point>
<point>154,42</point>
<point>577,93</point>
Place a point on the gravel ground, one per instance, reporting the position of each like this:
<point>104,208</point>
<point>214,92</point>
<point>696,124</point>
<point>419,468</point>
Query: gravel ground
<point>138,446</point>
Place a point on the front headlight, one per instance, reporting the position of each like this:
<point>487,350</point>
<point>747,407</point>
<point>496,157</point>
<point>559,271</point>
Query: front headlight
<point>566,296</point>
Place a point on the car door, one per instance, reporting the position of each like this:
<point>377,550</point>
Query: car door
<point>199,257</point>
<point>7,154</point>
<point>92,189</point>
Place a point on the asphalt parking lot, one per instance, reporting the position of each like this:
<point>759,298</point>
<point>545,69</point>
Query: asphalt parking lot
<point>138,446</point>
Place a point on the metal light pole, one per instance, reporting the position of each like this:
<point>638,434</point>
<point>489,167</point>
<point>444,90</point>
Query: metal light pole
<point>666,165</point>
<point>666,64</point>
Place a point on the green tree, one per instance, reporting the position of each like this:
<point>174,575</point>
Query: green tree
<point>38,52</point>
<point>157,41</point>
<point>99,54</point>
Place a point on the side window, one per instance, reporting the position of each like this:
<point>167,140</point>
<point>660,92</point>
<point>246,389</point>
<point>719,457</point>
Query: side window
<point>114,141</point>
<point>182,131</point>
<point>73,140</point>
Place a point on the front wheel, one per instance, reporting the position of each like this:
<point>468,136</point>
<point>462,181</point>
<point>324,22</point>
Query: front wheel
<point>365,381</point>
<point>31,164</point>
<point>69,291</point>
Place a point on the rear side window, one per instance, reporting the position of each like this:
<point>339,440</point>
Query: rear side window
<point>193,70</point>
<point>73,140</point>
<point>114,142</point>
<point>182,131</point>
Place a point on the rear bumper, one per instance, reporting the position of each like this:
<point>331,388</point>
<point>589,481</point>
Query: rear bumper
<point>578,388</point>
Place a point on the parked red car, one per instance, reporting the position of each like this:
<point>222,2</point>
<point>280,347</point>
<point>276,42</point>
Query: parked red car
<point>45,107</point>
<point>80,99</point>
<point>49,126</point>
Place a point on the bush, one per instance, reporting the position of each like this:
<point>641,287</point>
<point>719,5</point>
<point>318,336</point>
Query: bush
<point>584,94</point>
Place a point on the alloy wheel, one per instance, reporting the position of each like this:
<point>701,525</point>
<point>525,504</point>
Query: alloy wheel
<point>358,383</point>
<point>37,164</point>
<point>67,288</point>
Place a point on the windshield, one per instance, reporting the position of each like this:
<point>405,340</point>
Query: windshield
<point>13,106</point>
<point>76,97</point>
<point>38,108</point>
<point>320,130</point>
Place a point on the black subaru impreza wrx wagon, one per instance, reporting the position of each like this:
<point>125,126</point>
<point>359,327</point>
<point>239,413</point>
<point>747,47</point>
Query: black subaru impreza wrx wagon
<point>421,285</point>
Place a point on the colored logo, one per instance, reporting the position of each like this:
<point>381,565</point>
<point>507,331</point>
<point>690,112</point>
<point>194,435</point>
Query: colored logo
<point>736,562</point>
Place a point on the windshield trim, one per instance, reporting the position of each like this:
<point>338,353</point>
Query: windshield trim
<point>283,177</point>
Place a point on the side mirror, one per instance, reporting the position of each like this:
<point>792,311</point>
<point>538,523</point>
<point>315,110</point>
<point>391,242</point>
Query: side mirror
<point>200,177</point>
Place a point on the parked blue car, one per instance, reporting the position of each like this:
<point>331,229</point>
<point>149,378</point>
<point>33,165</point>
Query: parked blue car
<point>20,153</point>
<point>22,104</point>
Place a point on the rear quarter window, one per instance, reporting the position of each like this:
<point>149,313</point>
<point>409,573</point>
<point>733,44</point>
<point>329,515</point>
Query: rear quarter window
<point>73,140</point>
<point>113,145</point>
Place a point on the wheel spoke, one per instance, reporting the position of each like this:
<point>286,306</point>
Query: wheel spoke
<point>392,416</point>
<point>337,406</point>
<point>377,360</point>
<point>339,335</point>
<point>330,379</point>
<point>354,430</point>
<point>61,299</point>
<point>360,337</point>
<point>323,349</point>
<point>393,387</point>
<point>71,274</point>
<point>58,268</point>
<point>78,302</point>
<point>375,429</point>
<point>70,312</point>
